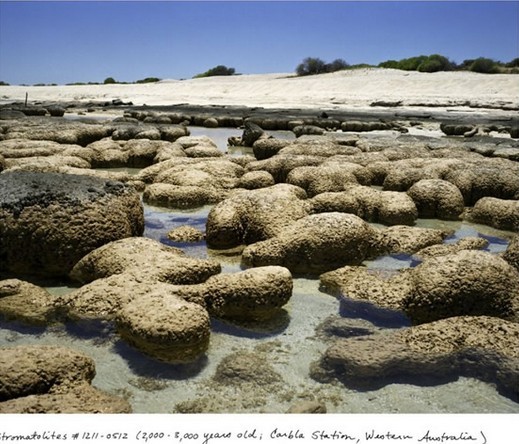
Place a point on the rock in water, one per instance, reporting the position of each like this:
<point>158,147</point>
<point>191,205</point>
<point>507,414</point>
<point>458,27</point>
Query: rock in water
<point>49,221</point>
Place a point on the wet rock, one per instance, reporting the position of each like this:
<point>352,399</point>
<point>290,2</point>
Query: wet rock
<point>322,147</point>
<point>251,133</point>
<point>209,172</point>
<point>511,255</point>
<point>465,283</point>
<point>210,122</point>
<point>25,302</point>
<point>11,114</point>
<point>188,196</point>
<point>490,180</point>
<point>437,198</point>
<point>467,243</point>
<point>51,379</point>
<point>497,213</point>
<point>146,258</point>
<point>475,346</point>
<point>138,153</point>
<point>316,243</point>
<point>104,298</point>
<point>63,132</point>
<point>245,368</point>
<point>359,126</point>
<point>256,179</point>
<point>172,133</point>
<point>50,221</point>
<point>456,129</point>
<point>305,407</point>
<point>82,398</point>
<point>327,178</point>
<point>56,110</point>
<point>301,130</point>
<point>265,148</point>
<point>28,370</point>
<point>281,165</point>
<point>250,216</point>
<point>253,294</point>
<point>364,292</point>
<point>51,164</point>
<point>165,327</point>
<point>404,239</point>
<point>186,233</point>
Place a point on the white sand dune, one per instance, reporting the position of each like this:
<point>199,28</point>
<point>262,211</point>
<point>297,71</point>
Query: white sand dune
<point>339,90</point>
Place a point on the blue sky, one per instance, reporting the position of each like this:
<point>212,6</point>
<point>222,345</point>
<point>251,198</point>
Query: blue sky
<point>64,42</point>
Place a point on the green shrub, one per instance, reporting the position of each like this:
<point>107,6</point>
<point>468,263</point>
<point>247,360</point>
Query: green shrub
<point>484,65</point>
<point>435,63</point>
<point>3,83</point>
<point>149,80</point>
<point>391,64</point>
<point>513,63</point>
<point>311,66</point>
<point>314,65</point>
<point>336,65</point>
<point>220,70</point>
<point>109,81</point>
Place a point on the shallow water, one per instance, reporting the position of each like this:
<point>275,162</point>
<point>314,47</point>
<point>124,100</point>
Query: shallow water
<point>291,343</point>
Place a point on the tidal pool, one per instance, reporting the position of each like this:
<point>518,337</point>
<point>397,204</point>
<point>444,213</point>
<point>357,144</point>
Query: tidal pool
<point>290,343</point>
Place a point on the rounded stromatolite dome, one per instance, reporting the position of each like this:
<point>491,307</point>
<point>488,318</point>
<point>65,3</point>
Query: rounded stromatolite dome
<point>49,221</point>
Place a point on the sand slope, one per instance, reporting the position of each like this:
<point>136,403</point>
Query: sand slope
<point>344,89</point>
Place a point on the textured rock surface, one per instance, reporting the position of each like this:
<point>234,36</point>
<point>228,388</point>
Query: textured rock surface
<point>252,294</point>
<point>50,221</point>
<point>186,233</point>
<point>476,346</point>
<point>511,254</point>
<point>105,297</point>
<point>465,283</point>
<point>255,215</point>
<point>467,243</point>
<point>437,198</point>
<point>498,213</point>
<point>245,367</point>
<point>404,239</point>
<point>317,243</point>
<point>25,302</point>
<point>165,327</point>
<point>41,379</point>
<point>145,258</point>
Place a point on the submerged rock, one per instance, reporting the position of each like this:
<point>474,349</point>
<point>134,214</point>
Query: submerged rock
<point>186,233</point>
<point>467,283</point>
<point>50,221</point>
<point>51,379</point>
<point>246,368</point>
<point>26,302</point>
<point>475,346</point>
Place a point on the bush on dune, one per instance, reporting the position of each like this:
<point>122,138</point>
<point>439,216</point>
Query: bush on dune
<point>314,65</point>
